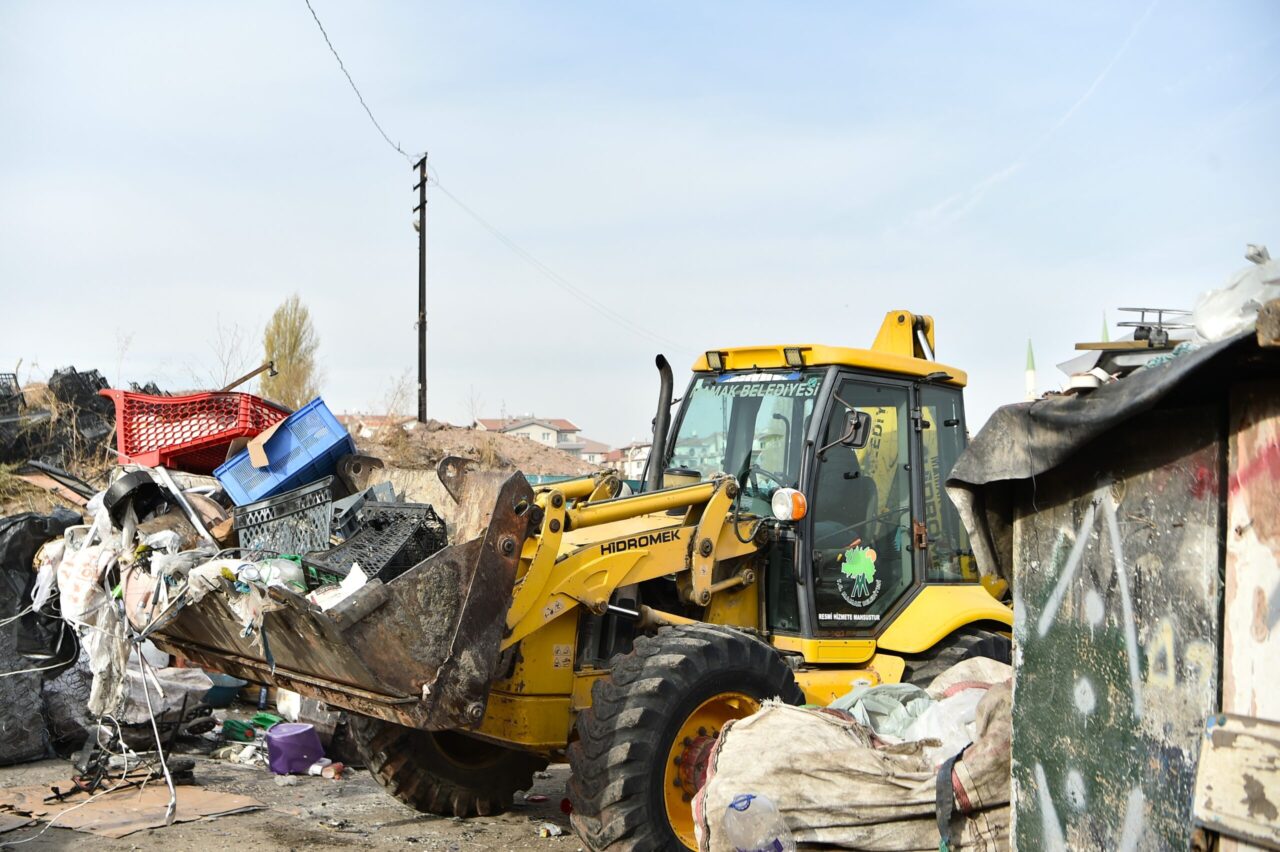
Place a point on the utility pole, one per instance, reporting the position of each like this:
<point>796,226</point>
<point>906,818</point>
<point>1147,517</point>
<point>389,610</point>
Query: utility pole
<point>421,225</point>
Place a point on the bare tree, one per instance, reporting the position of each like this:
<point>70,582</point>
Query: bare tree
<point>233,355</point>
<point>291,341</point>
<point>475,404</point>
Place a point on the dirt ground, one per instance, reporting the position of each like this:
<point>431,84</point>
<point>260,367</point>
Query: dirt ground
<point>314,814</point>
<point>424,447</point>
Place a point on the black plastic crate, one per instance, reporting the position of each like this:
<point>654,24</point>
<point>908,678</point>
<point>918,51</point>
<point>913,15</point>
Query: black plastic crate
<point>296,521</point>
<point>394,537</point>
<point>11,399</point>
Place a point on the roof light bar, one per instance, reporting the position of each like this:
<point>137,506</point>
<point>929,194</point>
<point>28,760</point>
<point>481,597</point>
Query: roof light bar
<point>794,356</point>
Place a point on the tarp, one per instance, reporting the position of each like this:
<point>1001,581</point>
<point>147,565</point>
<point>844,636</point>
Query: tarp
<point>1023,441</point>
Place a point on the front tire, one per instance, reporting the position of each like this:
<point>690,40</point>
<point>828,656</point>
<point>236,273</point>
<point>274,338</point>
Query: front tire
<point>443,772</point>
<point>642,746</point>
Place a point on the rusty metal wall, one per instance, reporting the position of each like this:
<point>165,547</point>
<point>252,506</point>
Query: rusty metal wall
<point>1117,593</point>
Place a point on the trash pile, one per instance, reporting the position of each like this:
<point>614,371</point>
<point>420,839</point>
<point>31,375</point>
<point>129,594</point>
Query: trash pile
<point>65,419</point>
<point>887,767</point>
<point>222,494</point>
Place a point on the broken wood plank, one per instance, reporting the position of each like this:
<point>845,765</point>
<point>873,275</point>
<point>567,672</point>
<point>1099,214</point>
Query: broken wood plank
<point>1238,779</point>
<point>54,487</point>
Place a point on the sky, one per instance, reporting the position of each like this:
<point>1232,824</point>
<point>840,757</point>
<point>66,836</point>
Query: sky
<point>676,176</point>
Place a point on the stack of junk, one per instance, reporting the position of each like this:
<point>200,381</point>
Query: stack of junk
<point>1134,515</point>
<point>220,493</point>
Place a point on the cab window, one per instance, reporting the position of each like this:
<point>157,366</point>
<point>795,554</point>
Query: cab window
<point>861,509</point>
<point>948,556</point>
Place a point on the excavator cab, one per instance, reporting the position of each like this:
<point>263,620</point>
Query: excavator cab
<point>867,439</point>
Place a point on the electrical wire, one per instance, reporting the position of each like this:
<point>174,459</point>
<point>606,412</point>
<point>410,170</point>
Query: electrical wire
<point>555,277</point>
<point>547,272</point>
<point>355,88</point>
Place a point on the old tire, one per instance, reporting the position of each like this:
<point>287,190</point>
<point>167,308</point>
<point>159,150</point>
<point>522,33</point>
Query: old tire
<point>443,772</point>
<point>964,644</point>
<point>665,700</point>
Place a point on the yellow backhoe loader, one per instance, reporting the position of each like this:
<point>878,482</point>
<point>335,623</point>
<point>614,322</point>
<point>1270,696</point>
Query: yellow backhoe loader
<point>792,539</point>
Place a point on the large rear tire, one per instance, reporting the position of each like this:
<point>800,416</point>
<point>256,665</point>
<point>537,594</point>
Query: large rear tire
<point>964,644</point>
<point>443,772</point>
<point>642,747</point>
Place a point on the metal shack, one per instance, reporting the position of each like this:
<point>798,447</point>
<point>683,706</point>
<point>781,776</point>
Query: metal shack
<point>1139,525</point>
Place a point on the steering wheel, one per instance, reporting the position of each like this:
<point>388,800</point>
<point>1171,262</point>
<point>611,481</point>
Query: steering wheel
<point>842,534</point>
<point>768,474</point>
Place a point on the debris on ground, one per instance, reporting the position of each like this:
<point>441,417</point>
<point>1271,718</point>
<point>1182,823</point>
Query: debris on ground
<point>128,805</point>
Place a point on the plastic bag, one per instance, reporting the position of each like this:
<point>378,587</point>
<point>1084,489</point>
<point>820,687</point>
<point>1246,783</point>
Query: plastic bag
<point>39,637</point>
<point>948,721</point>
<point>1231,309</point>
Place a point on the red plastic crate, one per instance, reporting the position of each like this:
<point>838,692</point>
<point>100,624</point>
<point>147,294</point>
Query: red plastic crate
<point>188,433</point>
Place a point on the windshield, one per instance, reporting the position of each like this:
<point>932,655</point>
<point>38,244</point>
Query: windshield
<point>751,425</point>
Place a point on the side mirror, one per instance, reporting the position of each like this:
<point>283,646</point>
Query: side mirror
<point>857,430</point>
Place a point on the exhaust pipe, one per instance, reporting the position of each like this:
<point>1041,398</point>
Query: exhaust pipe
<point>661,424</point>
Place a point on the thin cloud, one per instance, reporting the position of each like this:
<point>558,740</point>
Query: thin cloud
<point>955,206</point>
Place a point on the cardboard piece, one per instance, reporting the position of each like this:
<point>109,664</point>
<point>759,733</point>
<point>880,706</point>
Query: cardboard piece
<point>258,446</point>
<point>121,812</point>
<point>9,822</point>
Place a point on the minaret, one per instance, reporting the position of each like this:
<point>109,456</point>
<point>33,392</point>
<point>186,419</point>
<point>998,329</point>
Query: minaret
<point>1031,373</point>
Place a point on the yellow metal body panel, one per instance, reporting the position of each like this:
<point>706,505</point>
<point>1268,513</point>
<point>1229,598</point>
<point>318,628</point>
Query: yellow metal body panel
<point>895,350</point>
<point>823,685</point>
<point>771,357</point>
<point>544,665</point>
<point>537,722</point>
<point>938,610</point>
<point>582,683</point>
<point>739,607</point>
<point>825,651</point>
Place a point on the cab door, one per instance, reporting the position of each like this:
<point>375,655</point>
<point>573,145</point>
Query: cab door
<point>860,525</point>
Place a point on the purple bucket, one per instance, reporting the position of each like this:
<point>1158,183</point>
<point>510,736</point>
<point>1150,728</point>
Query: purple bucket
<point>292,747</point>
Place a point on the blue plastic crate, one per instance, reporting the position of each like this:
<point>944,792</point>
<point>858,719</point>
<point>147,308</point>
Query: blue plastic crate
<point>305,448</point>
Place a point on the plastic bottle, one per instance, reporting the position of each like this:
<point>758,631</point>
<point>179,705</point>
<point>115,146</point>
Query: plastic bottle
<point>752,824</point>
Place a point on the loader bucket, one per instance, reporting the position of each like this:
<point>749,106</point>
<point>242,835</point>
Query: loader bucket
<point>420,650</point>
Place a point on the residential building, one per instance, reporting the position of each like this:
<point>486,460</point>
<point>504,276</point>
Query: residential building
<point>629,461</point>
<point>368,425</point>
<point>550,431</point>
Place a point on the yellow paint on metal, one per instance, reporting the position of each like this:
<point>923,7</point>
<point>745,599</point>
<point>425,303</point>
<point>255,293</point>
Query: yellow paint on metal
<point>644,503</point>
<point>822,685</point>
<point>895,350</point>
<point>624,528</point>
<point>822,651</point>
<point>537,565</point>
<point>995,586</point>
<point>544,665</point>
<point>536,722</point>
<point>888,667</point>
<point>739,607</point>
<point>938,610</point>
<point>582,682</point>
<point>706,721</point>
<point>705,555</point>
<point>897,334</point>
<point>770,357</point>
<point>571,489</point>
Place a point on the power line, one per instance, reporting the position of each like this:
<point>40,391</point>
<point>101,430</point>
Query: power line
<point>355,88</point>
<point>555,277</point>
<point>546,271</point>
